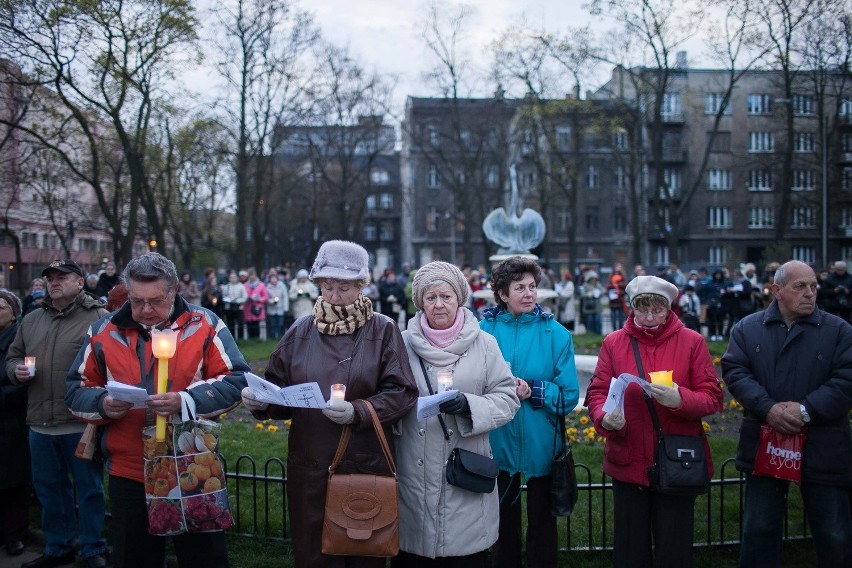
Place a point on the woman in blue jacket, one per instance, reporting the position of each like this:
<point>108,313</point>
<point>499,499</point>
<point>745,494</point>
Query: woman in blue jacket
<point>541,355</point>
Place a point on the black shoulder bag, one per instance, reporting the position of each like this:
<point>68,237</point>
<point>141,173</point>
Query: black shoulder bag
<point>466,469</point>
<point>680,463</point>
<point>563,478</point>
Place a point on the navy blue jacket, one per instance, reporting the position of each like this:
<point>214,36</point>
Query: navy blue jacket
<point>811,362</point>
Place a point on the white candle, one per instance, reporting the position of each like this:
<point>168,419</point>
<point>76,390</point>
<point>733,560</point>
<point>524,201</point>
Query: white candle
<point>30,363</point>
<point>445,381</point>
<point>338,395</point>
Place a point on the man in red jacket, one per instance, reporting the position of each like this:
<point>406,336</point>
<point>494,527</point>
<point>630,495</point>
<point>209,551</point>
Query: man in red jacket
<point>205,380</point>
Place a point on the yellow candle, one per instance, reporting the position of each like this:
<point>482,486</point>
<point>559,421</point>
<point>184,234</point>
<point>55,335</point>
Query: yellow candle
<point>662,378</point>
<point>162,388</point>
<point>163,346</point>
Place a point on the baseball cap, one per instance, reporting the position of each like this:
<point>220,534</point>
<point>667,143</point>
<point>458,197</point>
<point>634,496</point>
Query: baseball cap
<point>64,265</point>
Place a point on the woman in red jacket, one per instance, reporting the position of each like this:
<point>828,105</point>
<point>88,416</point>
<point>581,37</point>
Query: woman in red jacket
<point>664,345</point>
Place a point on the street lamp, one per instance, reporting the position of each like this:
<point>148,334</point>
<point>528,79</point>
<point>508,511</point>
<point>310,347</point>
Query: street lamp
<point>152,245</point>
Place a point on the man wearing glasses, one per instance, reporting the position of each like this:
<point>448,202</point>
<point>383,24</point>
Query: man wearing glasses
<point>53,335</point>
<point>205,379</point>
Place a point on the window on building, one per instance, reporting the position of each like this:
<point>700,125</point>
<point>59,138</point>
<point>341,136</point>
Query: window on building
<point>592,177</point>
<point>379,176</point>
<point>804,254</point>
<point>565,177</point>
<point>803,105</point>
<point>721,141</point>
<point>621,140</point>
<point>846,252</point>
<point>592,218</point>
<point>661,255</point>
<point>370,203</point>
<point>492,176</point>
<point>527,142</point>
<point>760,180</point>
<point>718,179</point>
<point>433,135</point>
<point>718,217</point>
<point>844,108</point>
<point>619,219</point>
<point>563,138</point>
<point>386,232</point>
<point>386,201</point>
<point>804,142</point>
<point>761,218</point>
<point>846,178</point>
<point>432,180</point>
<point>671,105</point>
<point>713,102</point>
<point>846,142</point>
<point>620,177</point>
<point>432,220</point>
<point>45,241</point>
<point>759,104</point>
<point>673,184</point>
<point>717,255</point>
<point>804,179</point>
<point>845,219</point>
<point>760,142</point>
<point>465,138</point>
<point>527,179</point>
<point>802,218</point>
<point>369,231</point>
<point>563,219</point>
<point>460,176</point>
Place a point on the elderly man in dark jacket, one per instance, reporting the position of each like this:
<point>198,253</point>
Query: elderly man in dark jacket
<point>790,366</point>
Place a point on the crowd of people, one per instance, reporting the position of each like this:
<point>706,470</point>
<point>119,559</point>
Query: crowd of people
<point>504,336</point>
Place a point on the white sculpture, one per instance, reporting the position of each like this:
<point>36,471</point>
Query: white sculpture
<point>515,233</point>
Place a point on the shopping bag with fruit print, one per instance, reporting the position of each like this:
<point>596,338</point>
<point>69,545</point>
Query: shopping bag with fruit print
<point>184,480</point>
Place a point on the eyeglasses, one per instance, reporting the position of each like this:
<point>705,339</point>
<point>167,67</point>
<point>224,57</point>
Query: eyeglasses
<point>153,303</point>
<point>650,311</point>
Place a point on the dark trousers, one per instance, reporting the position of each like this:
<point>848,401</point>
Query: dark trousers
<point>406,560</point>
<point>642,515</point>
<point>826,506</point>
<point>14,513</point>
<point>234,320</point>
<point>541,540</point>
<point>133,547</point>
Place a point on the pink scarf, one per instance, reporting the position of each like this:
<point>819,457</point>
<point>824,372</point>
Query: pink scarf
<point>442,337</point>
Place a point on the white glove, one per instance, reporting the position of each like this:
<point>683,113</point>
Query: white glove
<point>251,403</point>
<point>345,415</point>
<point>667,396</point>
<point>613,420</point>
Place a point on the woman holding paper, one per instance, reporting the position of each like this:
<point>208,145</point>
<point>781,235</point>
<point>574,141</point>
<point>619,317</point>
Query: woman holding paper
<point>684,389</point>
<point>343,343</point>
<point>440,522</point>
<point>541,353</point>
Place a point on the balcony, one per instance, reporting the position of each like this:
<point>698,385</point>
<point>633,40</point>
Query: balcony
<point>672,117</point>
<point>674,154</point>
<point>845,157</point>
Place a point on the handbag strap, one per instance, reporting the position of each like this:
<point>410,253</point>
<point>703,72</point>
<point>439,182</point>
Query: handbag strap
<point>429,386</point>
<point>560,411</point>
<point>347,431</point>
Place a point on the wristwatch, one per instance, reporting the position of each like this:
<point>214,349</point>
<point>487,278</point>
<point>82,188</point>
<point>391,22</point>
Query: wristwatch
<point>805,416</point>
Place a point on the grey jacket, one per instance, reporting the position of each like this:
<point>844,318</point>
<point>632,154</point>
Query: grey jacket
<point>811,363</point>
<point>54,337</point>
<point>438,519</point>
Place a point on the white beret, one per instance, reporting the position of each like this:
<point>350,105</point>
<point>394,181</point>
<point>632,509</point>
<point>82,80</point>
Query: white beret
<point>652,285</point>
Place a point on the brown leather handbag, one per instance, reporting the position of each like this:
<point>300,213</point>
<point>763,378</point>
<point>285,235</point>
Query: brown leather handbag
<point>361,511</point>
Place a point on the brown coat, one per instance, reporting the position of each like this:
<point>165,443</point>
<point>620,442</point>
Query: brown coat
<point>373,364</point>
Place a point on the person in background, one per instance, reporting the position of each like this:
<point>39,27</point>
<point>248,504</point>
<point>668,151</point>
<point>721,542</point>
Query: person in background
<point>567,304</point>
<point>540,353</point>
<point>342,341</point>
<point>254,310</point>
<point>615,294</point>
<point>69,489</point>
<point>205,378</point>
<point>188,288</point>
<point>211,294</point>
<point>371,291</point>
<point>643,516</point>
<point>90,286</point>
<point>790,367</point>
<point>277,305</point>
<point>715,313</point>
<point>35,298</point>
<point>410,306</point>
<point>441,524</point>
<point>15,467</point>
<point>303,295</point>
<point>590,303</point>
<point>116,297</point>
<point>234,295</point>
<point>690,307</point>
<point>107,280</point>
<point>391,295</point>
<point>838,289</point>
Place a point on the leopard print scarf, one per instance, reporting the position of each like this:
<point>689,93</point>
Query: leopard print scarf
<point>342,320</point>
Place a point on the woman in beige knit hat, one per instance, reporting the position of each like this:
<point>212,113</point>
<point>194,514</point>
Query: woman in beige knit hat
<point>442,524</point>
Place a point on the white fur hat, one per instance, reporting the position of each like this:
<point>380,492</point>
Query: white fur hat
<point>341,260</point>
<point>651,285</point>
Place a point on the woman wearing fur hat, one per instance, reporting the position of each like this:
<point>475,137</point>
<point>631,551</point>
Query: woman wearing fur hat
<point>343,341</point>
<point>541,355</point>
<point>441,524</point>
<point>641,514</point>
